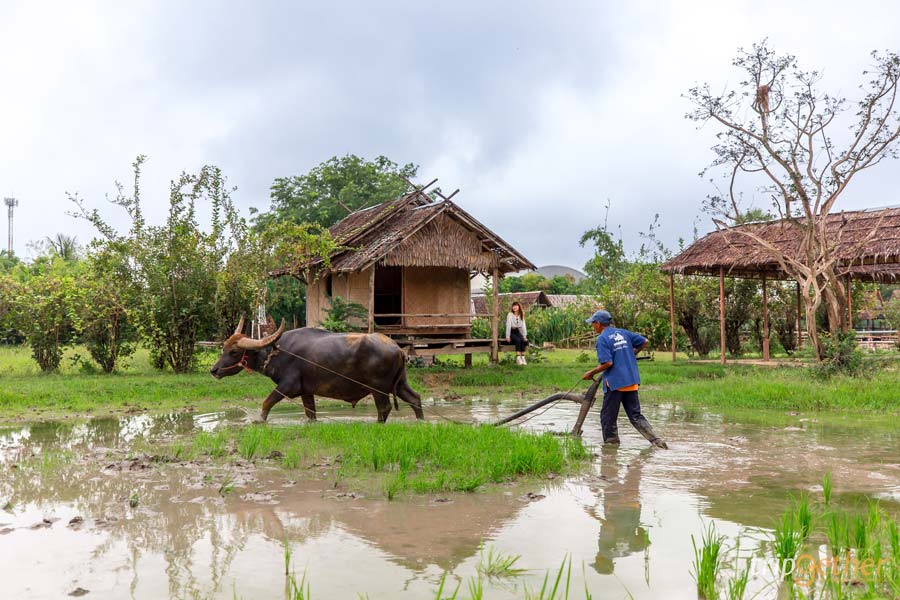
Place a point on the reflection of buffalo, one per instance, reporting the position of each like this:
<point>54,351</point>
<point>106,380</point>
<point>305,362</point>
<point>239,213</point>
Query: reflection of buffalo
<point>621,533</point>
<point>308,361</point>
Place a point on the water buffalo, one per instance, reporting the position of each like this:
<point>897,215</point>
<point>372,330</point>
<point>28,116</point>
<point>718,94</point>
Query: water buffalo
<point>305,362</point>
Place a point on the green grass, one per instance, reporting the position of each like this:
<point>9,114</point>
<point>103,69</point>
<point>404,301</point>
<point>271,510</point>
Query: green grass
<point>495,564</point>
<point>418,458</point>
<point>25,393</point>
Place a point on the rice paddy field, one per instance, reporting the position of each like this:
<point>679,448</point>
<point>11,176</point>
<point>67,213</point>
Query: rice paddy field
<point>148,484</point>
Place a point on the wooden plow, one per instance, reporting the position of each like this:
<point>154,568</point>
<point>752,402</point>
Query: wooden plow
<point>586,401</point>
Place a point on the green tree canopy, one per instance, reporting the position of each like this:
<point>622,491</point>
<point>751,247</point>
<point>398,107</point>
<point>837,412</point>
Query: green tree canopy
<point>334,189</point>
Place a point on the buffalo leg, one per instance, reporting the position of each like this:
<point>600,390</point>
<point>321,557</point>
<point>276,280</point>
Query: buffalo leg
<point>382,405</point>
<point>309,406</point>
<point>409,395</point>
<point>272,399</point>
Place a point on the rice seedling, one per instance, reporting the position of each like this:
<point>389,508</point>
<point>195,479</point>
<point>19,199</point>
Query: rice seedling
<point>133,500</point>
<point>476,588</point>
<point>497,565</point>
<point>227,485</point>
<point>836,532</point>
<point>826,488</point>
<point>804,516</point>
<point>787,542</point>
<point>287,556</point>
<point>439,595</point>
<point>549,590</point>
<point>299,591</point>
<point>422,458</point>
<point>707,562</point>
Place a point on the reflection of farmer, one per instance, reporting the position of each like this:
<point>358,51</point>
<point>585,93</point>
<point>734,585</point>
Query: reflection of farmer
<point>621,533</point>
<point>616,352</point>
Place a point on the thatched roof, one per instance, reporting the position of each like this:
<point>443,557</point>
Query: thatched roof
<point>526,299</point>
<point>416,230</point>
<point>877,259</point>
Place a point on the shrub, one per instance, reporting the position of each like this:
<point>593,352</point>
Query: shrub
<point>841,356</point>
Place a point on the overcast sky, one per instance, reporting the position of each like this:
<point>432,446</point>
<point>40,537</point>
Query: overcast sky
<point>538,111</point>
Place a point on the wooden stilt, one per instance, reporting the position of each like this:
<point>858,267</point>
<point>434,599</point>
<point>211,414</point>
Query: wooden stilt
<point>722,313</point>
<point>765,303</point>
<point>495,315</point>
<point>672,311</point>
<point>372,300</point>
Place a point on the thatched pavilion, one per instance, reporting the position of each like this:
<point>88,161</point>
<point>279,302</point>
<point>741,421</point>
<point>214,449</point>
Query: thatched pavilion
<point>861,256</point>
<point>409,261</point>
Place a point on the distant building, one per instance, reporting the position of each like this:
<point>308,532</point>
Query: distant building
<point>549,271</point>
<point>528,300</point>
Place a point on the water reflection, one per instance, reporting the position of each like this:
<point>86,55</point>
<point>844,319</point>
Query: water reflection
<point>621,531</point>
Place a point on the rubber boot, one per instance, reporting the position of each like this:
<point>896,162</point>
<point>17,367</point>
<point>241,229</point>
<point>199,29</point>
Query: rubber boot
<point>644,428</point>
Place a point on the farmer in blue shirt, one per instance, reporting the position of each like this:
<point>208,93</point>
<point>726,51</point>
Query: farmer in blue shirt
<point>617,354</point>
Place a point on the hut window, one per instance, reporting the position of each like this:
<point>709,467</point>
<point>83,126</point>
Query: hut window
<point>388,294</point>
<point>328,286</point>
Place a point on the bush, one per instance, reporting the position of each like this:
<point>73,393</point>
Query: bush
<point>841,356</point>
<point>42,313</point>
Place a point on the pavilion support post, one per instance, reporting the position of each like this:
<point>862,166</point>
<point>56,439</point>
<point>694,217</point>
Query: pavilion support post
<point>765,307</point>
<point>372,300</point>
<point>495,315</point>
<point>722,314</point>
<point>849,305</point>
<point>799,320</point>
<point>672,311</point>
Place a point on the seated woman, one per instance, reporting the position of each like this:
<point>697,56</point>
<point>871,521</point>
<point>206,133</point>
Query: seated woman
<point>517,331</point>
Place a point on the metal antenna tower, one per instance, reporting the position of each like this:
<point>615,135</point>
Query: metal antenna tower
<point>10,203</point>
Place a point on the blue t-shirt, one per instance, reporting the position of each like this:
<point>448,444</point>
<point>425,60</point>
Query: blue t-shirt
<point>617,346</point>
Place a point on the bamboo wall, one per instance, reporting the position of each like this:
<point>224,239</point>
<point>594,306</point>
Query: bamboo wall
<point>426,290</point>
<point>436,290</point>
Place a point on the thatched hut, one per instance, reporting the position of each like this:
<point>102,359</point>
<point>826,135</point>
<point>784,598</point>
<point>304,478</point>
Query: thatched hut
<point>867,247</point>
<point>409,262</point>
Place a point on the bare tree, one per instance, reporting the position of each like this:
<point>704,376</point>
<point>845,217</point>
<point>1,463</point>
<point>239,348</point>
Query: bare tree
<point>774,132</point>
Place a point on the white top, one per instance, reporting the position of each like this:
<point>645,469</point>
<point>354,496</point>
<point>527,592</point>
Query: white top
<point>514,321</point>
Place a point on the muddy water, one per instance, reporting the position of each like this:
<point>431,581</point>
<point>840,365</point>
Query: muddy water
<point>85,510</point>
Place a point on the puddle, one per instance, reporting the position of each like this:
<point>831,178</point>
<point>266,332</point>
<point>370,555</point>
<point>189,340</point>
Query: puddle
<point>89,512</point>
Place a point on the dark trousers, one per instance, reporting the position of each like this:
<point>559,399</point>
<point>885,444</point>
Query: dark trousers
<point>609,414</point>
<point>515,336</point>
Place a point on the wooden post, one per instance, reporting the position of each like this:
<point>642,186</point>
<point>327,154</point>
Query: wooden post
<point>372,300</point>
<point>849,305</point>
<point>765,303</point>
<point>722,313</point>
<point>799,320</point>
<point>495,314</point>
<point>467,360</point>
<point>672,311</point>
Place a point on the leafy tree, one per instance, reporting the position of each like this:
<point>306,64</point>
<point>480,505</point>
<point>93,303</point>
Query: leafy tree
<point>42,313</point>
<point>188,282</point>
<point>334,189</point>
<point>65,247</point>
<point>101,310</point>
<point>775,132</point>
<point>609,254</point>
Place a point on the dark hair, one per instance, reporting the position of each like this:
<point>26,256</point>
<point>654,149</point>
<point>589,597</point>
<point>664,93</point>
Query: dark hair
<point>521,310</point>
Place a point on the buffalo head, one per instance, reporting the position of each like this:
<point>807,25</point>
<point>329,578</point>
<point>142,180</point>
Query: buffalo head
<point>240,351</point>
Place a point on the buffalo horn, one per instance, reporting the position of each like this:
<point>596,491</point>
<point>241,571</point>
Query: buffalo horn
<point>251,344</point>
<point>240,327</point>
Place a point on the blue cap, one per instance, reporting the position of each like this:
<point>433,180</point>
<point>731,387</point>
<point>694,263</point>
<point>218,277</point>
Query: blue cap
<point>601,316</point>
